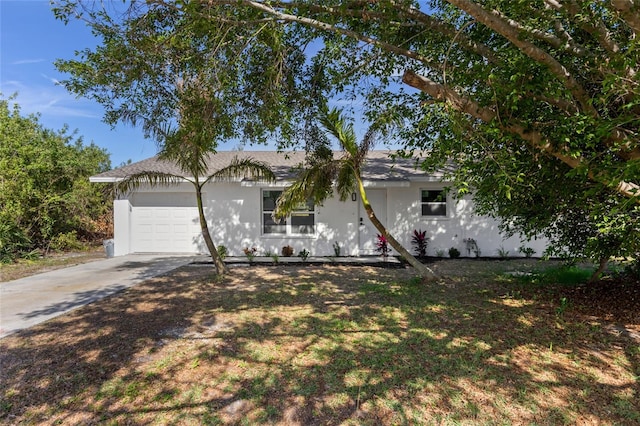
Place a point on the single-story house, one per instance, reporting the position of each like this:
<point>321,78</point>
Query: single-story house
<point>164,219</point>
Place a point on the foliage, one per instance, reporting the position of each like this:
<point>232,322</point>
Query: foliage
<point>66,242</point>
<point>502,253</point>
<point>287,251</point>
<point>304,254</point>
<point>251,253</point>
<point>223,252</point>
<point>565,274</point>
<point>440,252</point>
<point>13,242</point>
<point>632,269</point>
<point>316,178</point>
<point>157,59</point>
<point>420,241</point>
<point>193,159</point>
<point>454,253</point>
<point>44,186</point>
<point>382,245</point>
<point>527,251</point>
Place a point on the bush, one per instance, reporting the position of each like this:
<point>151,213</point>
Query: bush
<point>222,251</point>
<point>382,245</point>
<point>13,242</point>
<point>304,254</point>
<point>527,251</point>
<point>287,251</point>
<point>454,253</point>
<point>65,242</point>
<point>251,253</point>
<point>419,242</point>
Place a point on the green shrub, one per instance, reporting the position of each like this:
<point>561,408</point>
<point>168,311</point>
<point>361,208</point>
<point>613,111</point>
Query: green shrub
<point>527,251</point>
<point>454,253</point>
<point>66,242</point>
<point>222,251</point>
<point>304,254</point>
<point>14,243</point>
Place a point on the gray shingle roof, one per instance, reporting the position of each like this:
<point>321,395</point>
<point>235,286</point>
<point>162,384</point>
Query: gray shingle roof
<point>378,167</point>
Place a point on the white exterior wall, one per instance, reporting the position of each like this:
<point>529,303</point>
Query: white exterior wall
<point>234,214</point>
<point>235,218</point>
<point>405,214</point>
<point>121,227</point>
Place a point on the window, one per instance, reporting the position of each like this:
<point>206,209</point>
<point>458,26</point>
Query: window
<point>300,222</point>
<point>434,202</point>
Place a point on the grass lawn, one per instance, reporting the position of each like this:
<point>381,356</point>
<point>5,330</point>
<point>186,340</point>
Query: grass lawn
<point>332,345</point>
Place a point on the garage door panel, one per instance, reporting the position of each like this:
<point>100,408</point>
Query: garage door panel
<point>165,229</point>
<point>144,212</point>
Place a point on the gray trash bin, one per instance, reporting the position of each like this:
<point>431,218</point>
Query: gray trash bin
<point>108,247</point>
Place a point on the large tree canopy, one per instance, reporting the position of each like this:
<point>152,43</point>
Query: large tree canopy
<point>537,103</point>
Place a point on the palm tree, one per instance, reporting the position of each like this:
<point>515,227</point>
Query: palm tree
<point>193,167</point>
<point>200,124</point>
<point>316,180</point>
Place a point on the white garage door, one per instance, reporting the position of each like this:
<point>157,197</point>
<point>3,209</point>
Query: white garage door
<point>165,223</point>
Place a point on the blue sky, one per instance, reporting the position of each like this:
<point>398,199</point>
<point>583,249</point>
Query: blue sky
<point>31,39</point>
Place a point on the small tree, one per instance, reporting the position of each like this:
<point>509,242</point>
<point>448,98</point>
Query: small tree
<point>316,180</point>
<point>246,167</point>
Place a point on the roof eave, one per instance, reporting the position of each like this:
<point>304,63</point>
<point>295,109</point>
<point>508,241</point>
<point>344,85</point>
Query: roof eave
<point>100,179</point>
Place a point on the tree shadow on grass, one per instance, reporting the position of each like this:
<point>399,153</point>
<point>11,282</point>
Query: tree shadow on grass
<point>321,345</point>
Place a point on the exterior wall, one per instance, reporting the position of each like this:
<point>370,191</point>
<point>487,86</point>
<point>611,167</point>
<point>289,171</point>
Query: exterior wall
<point>121,227</point>
<point>404,214</point>
<point>234,213</point>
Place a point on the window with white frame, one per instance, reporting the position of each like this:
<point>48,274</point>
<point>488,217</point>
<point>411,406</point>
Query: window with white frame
<point>433,202</point>
<point>301,221</point>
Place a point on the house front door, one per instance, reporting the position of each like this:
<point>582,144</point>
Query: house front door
<point>366,231</point>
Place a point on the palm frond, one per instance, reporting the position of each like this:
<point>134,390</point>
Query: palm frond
<point>345,181</point>
<point>134,181</point>
<point>186,153</point>
<point>337,126</point>
<point>314,183</point>
<point>245,168</point>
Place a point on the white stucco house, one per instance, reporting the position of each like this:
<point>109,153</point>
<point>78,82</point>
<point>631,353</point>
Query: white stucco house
<point>165,219</point>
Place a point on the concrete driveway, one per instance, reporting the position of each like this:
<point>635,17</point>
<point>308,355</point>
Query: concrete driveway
<point>35,299</point>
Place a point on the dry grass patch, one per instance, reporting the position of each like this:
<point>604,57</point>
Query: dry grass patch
<point>24,268</point>
<point>322,345</point>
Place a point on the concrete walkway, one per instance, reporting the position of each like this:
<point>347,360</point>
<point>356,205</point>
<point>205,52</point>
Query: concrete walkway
<point>35,299</point>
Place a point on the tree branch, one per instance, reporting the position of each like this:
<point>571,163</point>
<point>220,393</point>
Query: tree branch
<point>536,139</point>
<point>629,11</point>
<point>498,24</point>
<point>334,29</point>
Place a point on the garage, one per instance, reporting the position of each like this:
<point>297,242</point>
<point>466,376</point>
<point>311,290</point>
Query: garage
<point>165,223</point>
